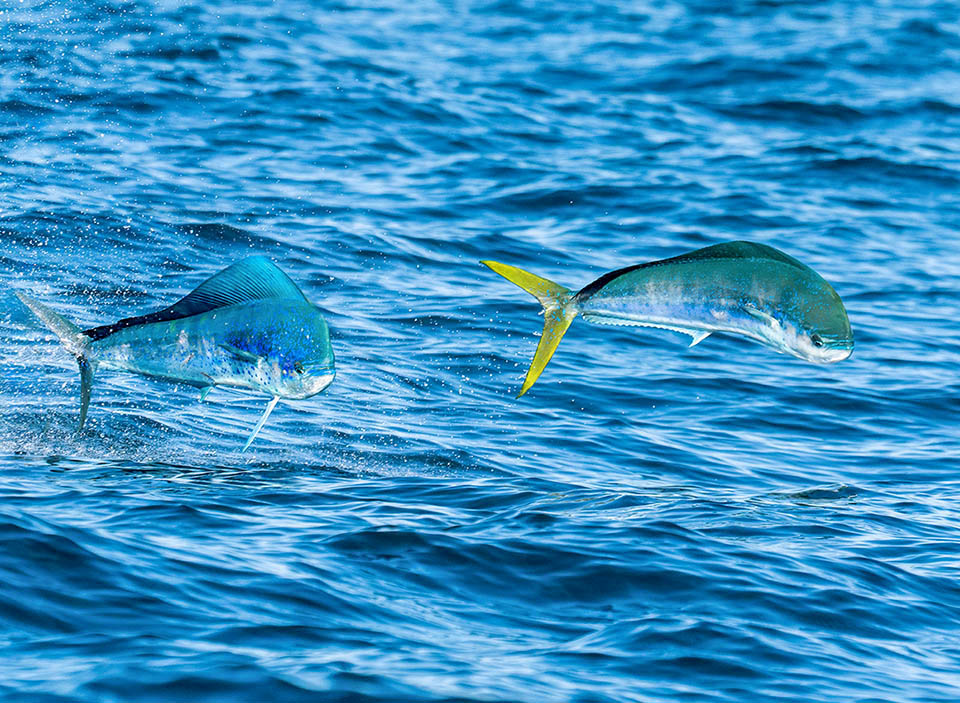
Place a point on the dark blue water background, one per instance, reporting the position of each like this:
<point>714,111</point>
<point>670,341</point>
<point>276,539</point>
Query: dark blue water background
<point>650,522</point>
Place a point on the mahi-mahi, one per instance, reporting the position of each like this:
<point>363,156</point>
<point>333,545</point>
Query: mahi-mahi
<point>742,288</point>
<point>248,326</point>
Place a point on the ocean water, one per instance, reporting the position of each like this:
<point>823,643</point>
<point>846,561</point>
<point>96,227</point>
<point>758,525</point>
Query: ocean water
<point>650,523</point>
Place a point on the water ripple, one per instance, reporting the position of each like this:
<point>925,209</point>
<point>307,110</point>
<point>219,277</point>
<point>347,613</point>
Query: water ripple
<point>650,523</point>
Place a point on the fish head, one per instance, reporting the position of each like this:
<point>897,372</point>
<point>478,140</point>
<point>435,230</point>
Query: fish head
<point>309,367</point>
<point>299,361</point>
<point>823,348</point>
<point>821,332</point>
<point>308,378</point>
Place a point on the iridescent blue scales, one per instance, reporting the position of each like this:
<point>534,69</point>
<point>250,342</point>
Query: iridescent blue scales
<point>249,326</point>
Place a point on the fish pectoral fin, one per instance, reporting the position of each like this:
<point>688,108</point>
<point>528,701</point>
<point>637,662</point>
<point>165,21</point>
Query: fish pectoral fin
<point>241,354</point>
<point>204,392</point>
<point>698,336</point>
<point>263,419</point>
<point>755,312</point>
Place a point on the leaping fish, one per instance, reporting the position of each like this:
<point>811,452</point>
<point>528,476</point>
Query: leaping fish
<point>248,326</point>
<point>740,288</point>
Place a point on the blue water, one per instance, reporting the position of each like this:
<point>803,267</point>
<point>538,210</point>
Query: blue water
<point>650,522</point>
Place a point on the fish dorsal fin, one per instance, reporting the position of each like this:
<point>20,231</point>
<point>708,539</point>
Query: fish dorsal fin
<point>253,278</point>
<point>736,250</point>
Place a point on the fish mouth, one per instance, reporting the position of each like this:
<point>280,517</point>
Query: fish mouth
<point>829,350</point>
<point>314,381</point>
<point>837,352</point>
<point>832,351</point>
<point>308,380</point>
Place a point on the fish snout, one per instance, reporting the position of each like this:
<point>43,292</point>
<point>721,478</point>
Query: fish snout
<point>827,350</point>
<point>309,383</point>
<point>839,352</point>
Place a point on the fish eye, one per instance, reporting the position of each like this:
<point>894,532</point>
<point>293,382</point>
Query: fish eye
<point>298,367</point>
<point>816,339</point>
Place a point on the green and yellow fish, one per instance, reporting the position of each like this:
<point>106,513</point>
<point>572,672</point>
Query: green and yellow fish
<point>743,288</point>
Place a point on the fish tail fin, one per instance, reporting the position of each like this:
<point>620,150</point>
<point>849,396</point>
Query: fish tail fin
<point>559,310</point>
<point>86,385</point>
<point>73,340</point>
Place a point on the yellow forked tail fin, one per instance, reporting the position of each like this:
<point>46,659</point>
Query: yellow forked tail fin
<point>559,310</point>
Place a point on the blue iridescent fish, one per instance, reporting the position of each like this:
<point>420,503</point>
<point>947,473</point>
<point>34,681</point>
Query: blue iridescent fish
<point>248,326</point>
<point>742,288</point>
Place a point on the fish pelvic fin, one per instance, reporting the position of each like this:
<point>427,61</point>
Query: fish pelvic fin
<point>74,341</point>
<point>698,336</point>
<point>559,310</point>
<point>263,418</point>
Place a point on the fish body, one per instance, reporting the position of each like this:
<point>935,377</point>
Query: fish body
<point>742,288</point>
<point>248,326</point>
<point>257,345</point>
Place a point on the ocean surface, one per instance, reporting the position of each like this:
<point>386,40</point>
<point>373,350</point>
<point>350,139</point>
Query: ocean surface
<point>650,522</point>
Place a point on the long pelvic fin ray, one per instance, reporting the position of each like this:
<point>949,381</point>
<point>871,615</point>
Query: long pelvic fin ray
<point>263,418</point>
